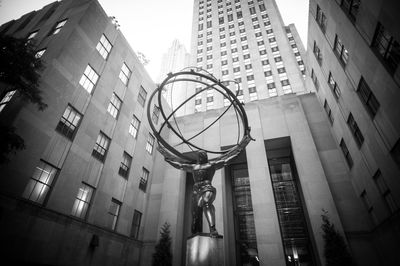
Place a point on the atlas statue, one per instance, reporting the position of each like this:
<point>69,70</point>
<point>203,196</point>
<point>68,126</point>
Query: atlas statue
<point>199,166</point>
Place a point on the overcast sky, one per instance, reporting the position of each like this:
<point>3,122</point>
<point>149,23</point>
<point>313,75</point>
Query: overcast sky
<point>151,26</point>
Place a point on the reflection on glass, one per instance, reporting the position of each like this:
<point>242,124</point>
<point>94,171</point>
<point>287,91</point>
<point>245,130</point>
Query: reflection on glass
<point>290,213</point>
<point>246,242</point>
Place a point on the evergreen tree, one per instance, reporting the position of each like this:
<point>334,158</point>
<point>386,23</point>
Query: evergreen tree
<point>335,249</point>
<point>163,255</point>
<point>20,71</point>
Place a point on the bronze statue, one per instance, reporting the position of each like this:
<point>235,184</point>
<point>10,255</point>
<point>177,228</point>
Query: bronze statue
<point>203,192</point>
<point>202,168</point>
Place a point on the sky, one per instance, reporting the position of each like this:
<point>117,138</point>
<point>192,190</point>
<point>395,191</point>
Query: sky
<point>151,26</point>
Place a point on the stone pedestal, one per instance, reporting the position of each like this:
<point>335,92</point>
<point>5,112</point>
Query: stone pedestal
<point>203,250</point>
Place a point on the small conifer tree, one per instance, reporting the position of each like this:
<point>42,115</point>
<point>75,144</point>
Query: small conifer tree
<point>335,249</point>
<point>163,255</point>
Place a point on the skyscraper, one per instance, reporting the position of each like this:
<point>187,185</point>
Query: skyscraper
<point>353,60</point>
<point>245,41</point>
<point>176,59</point>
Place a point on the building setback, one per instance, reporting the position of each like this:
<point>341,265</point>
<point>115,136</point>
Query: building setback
<point>77,194</point>
<point>353,56</point>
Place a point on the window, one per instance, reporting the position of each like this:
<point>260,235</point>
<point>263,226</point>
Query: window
<point>285,82</point>
<point>134,126</point>
<point>6,99</point>
<point>250,77</point>
<point>346,153</point>
<point>328,111</point>
<point>236,69</point>
<point>104,46</point>
<point>387,48</point>
<point>367,97</point>
<point>150,144</point>
<point>40,183</point>
<point>275,49</point>
<point>197,102</point>
<point>113,213</point>
<point>114,106</point>
<point>366,201</point>
<point>281,70</point>
<point>247,66</point>
<point>262,52</point>
<point>89,79</point>
<point>69,122</point>
<point>40,53</point>
<point>272,39</point>
<point>268,73</point>
<point>137,217</point>
<point>156,114</point>
<point>350,7</point>
<point>317,53</point>
<point>125,74</point>
<point>209,66</point>
<point>252,10</point>
<point>314,79</point>
<point>209,24</point>
<point>82,201</point>
<point>340,51</point>
<point>271,85</point>
<point>224,62</point>
<point>58,27</point>
<point>234,50</point>
<point>245,47</point>
<point>278,59</point>
<point>265,62</point>
<point>335,88</point>
<point>31,35</point>
<point>224,72</point>
<point>125,165</point>
<point>384,191</point>
<point>142,96</point>
<point>321,19</point>
<point>101,147</point>
<point>358,136</point>
<point>246,56</point>
<point>143,179</point>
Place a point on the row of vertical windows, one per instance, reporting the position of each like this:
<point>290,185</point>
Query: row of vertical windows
<point>44,175</point>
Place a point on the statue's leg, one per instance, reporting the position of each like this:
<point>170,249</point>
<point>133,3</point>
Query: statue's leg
<point>209,210</point>
<point>197,221</point>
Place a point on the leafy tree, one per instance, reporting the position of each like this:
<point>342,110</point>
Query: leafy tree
<point>20,71</point>
<point>163,255</point>
<point>335,249</point>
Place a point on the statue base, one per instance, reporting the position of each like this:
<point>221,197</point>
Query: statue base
<point>204,250</point>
